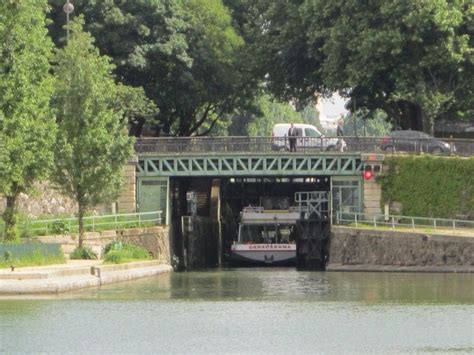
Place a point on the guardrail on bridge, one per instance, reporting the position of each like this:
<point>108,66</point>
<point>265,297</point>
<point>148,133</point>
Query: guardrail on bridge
<point>386,145</point>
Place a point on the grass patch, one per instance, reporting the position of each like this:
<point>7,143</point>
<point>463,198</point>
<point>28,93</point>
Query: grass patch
<point>120,253</point>
<point>35,258</point>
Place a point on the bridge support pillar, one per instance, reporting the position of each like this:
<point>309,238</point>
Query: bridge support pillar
<point>127,202</point>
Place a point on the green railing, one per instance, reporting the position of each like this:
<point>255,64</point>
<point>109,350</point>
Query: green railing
<point>403,222</point>
<point>54,226</point>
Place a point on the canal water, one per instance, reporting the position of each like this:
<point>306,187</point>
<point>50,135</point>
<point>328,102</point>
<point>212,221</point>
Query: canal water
<point>255,311</point>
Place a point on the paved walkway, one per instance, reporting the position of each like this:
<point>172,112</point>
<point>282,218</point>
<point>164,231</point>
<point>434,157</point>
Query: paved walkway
<point>75,274</point>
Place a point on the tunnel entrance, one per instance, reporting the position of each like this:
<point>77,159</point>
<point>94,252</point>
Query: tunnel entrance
<point>205,216</point>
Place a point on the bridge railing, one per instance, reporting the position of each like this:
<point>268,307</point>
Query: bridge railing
<point>403,222</point>
<point>387,145</point>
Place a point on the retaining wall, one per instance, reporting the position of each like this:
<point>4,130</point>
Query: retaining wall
<point>363,249</point>
<point>153,239</point>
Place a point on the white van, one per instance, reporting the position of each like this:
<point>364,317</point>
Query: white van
<point>308,137</point>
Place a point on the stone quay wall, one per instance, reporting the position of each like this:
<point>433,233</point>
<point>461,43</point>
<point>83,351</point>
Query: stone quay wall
<point>153,239</point>
<point>364,249</point>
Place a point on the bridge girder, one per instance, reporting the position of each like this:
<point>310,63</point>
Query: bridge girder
<point>250,165</point>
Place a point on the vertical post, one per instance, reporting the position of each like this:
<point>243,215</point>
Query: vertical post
<point>93,223</point>
<point>356,219</point>
<point>375,222</point>
<point>68,8</point>
<point>454,224</point>
<point>115,222</point>
<point>413,223</point>
<point>67,22</point>
<point>139,220</point>
<point>434,223</point>
<point>393,222</point>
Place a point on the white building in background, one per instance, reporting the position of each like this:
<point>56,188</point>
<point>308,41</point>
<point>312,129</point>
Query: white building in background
<point>330,109</point>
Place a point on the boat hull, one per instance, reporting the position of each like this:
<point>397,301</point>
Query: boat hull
<point>264,254</point>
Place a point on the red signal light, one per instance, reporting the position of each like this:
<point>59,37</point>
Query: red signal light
<point>368,173</point>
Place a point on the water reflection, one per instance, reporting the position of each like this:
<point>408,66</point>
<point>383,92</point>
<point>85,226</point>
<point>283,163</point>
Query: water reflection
<point>290,285</point>
<point>278,311</point>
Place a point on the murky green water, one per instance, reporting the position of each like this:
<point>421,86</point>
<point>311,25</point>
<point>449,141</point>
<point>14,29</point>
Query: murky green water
<point>250,311</point>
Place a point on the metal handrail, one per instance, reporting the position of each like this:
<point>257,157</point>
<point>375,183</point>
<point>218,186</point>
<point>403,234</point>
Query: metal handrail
<point>92,223</point>
<point>353,144</point>
<point>398,221</point>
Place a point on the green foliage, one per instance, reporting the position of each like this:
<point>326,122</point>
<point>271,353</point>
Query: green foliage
<point>7,255</point>
<point>412,59</point>
<point>25,256</point>
<point>127,253</point>
<point>185,54</point>
<point>115,245</point>
<point>430,186</point>
<point>375,124</point>
<point>137,109</point>
<point>60,227</point>
<point>93,144</point>
<point>83,253</point>
<point>268,112</point>
<point>27,125</point>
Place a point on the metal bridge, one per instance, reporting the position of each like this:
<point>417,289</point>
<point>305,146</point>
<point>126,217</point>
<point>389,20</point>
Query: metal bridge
<point>243,156</point>
<point>268,156</point>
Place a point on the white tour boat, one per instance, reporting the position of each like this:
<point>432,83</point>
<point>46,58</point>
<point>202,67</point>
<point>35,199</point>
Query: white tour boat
<point>266,237</point>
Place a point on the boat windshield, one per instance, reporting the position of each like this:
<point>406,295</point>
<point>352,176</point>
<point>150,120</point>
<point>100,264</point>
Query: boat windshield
<point>268,233</point>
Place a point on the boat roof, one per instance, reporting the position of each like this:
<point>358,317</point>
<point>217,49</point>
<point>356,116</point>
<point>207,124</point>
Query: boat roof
<point>257,215</point>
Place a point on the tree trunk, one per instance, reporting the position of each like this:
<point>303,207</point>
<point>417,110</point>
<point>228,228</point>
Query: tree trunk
<point>9,217</point>
<point>81,211</point>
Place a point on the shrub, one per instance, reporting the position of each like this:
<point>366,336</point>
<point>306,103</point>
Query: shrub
<point>83,253</point>
<point>429,186</point>
<point>60,227</point>
<point>127,253</point>
<point>115,245</point>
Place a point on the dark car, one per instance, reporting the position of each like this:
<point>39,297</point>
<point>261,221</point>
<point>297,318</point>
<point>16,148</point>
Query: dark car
<point>415,141</point>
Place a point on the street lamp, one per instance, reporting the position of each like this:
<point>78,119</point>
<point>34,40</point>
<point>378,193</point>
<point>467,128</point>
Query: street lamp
<point>68,8</point>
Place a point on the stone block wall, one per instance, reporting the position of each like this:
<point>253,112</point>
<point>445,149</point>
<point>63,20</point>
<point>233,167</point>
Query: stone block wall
<point>351,246</point>
<point>372,196</point>
<point>45,200</point>
<point>153,239</point>
<point>127,203</point>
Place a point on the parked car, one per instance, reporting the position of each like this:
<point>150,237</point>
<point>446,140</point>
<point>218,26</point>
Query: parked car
<point>308,136</point>
<point>415,141</point>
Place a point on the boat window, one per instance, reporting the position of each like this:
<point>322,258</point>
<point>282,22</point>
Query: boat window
<point>266,234</point>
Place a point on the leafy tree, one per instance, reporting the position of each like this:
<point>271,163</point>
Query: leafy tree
<point>408,58</point>
<point>412,59</point>
<point>92,144</point>
<point>27,124</point>
<point>137,109</point>
<point>185,54</point>
<point>365,123</point>
<point>260,121</point>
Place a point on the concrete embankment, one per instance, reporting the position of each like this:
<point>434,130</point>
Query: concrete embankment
<point>354,249</point>
<point>74,275</point>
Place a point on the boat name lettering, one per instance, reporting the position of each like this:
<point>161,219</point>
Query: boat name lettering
<point>270,246</point>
